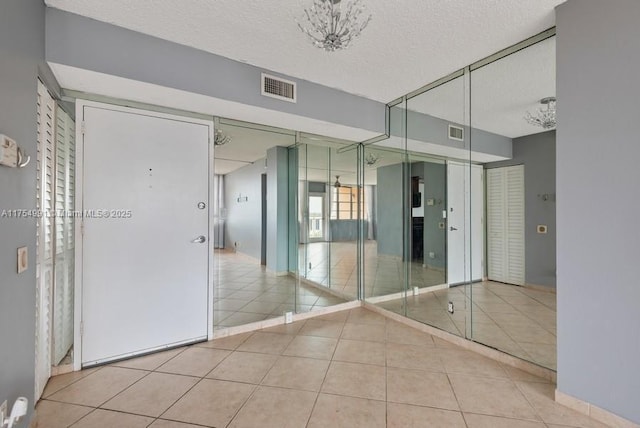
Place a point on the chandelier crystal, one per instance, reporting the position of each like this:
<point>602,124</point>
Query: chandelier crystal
<point>372,159</point>
<point>220,138</point>
<point>333,24</point>
<point>544,117</point>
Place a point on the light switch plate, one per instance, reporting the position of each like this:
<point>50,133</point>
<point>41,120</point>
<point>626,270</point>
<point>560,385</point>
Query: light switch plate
<point>23,259</point>
<point>8,152</point>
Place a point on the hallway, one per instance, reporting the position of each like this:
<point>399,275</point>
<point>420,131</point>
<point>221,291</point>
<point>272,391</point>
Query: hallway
<point>350,369</point>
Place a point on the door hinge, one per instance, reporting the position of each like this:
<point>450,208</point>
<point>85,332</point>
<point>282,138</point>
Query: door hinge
<point>82,228</point>
<point>81,328</point>
<point>83,127</point>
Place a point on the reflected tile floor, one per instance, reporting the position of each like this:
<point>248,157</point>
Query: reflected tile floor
<point>347,369</point>
<point>333,265</point>
<point>517,320</point>
<point>245,292</point>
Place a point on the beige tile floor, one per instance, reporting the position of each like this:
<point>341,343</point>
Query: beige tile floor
<point>517,320</point>
<point>245,292</point>
<point>348,369</point>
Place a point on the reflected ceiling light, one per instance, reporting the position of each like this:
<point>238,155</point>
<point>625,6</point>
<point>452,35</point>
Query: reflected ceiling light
<point>544,117</point>
<point>333,24</point>
<point>372,159</point>
<point>220,138</point>
<point>337,183</point>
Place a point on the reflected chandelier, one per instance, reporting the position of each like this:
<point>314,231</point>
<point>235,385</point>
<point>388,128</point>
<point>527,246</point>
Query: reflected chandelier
<point>220,138</point>
<point>544,117</point>
<point>333,24</point>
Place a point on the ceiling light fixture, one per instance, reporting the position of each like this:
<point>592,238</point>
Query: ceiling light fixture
<point>544,117</point>
<point>337,183</point>
<point>333,24</point>
<point>220,138</point>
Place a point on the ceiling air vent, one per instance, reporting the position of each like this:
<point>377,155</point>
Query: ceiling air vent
<point>456,133</point>
<point>276,87</point>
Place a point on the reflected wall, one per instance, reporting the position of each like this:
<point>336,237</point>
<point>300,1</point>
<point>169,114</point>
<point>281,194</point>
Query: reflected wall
<point>449,220</point>
<point>467,189</point>
<point>259,173</point>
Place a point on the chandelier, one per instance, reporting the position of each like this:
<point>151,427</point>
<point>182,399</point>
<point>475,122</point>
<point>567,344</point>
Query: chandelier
<point>220,138</point>
<point>544,117</point>
<point>333,24</point>
<point>372,159</point>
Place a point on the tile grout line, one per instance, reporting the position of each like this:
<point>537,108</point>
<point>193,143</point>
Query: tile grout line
<point>328,368</point>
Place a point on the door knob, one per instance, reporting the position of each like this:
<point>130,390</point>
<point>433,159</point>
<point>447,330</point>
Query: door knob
<point>200,240</point>
<point>453,228</point>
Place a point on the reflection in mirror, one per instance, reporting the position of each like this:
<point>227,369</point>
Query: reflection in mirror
<point>331,205</point>
<point>254,277</point>
<point>435,241</point>
<point>514,310</point>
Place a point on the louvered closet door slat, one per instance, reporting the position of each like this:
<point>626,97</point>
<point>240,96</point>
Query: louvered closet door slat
<point>515,224</point>
<point>495,225</point>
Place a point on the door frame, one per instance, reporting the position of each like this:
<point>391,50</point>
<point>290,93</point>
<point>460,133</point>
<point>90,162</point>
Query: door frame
<point>79,225</point>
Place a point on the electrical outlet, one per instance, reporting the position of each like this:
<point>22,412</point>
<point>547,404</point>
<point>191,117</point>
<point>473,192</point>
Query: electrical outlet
<point>3,413</point>
<point>288,317</point>
<point>416,291</point>
<point>432,255</point>
<point>450,307</point>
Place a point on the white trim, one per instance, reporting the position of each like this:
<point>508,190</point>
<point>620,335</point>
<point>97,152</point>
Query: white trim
<point>212,228</point>
<point>80,106</point>
<point>594,412</point>
<point>77,292</point>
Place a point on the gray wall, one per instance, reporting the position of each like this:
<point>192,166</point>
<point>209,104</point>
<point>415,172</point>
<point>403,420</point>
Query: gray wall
<point>435,187</point>
<point>22,55</point>
<point>537,153</point>
<point>389,210</point>
<point>345,230</point>
<point>243,224</point>
<point>598,64</point>
<point>97,46</point>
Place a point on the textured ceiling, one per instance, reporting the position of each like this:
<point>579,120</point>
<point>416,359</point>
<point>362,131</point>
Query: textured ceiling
<point>408,43</point>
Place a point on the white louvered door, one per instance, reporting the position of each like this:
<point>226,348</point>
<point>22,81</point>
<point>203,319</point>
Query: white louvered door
<point>506,225</point>
<point>45,235</point>
<point>64,242</point>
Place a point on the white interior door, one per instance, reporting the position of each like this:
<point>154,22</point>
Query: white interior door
<point>145,272</point>
<point>465,213</point>
<point>506,225</point>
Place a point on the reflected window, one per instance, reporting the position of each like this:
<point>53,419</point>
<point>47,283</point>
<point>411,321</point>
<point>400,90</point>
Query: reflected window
<point>344,203</point>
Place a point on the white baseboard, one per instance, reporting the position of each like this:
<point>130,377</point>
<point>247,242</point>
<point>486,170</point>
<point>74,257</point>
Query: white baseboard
<point>594,412</point>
